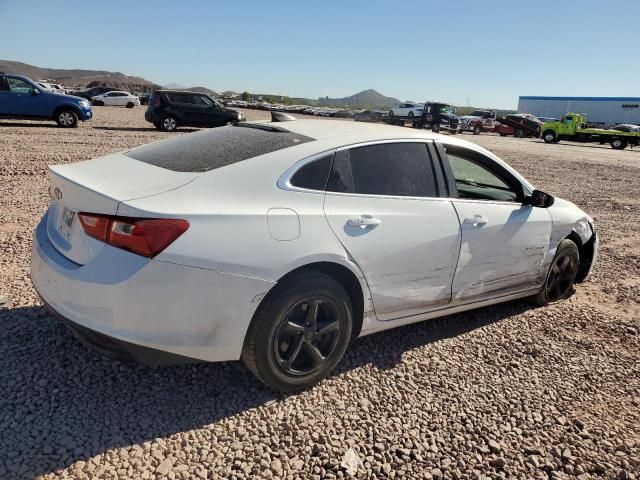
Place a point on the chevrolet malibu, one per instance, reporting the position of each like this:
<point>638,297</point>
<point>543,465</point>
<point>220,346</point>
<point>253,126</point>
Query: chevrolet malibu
<point>278,243</point>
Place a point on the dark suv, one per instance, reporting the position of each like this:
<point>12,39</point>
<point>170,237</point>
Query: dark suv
<point>170,109</point>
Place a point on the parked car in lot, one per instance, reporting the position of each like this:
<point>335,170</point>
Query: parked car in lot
<point>170,109</point>
<point>52,87</point>
<point>22,98</point>
<point>92,92</point>
<point>520,125</point>
<point>370,116</point>
<point>144,98</point>
<point>278,243</point>
<point>408,110</point>
<point>116,98</point>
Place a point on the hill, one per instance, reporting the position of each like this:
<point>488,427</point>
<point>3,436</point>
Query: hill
<point>78,77</point>
<point>201,90</point>
<point>365,99</point>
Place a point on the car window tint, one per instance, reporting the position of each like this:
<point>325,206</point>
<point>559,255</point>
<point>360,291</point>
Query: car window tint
<point>340,179</point>
<point>203,101</point>
<point>4,85</point>
<point>214,148</point>
<point>476,181</point>
<point>399,169</point>
<point>19,86</point>
<point>313,175</point>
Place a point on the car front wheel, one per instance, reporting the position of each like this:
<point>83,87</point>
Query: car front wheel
<point>561,276</point>
<point>67,118</point>
<point>299,333</point>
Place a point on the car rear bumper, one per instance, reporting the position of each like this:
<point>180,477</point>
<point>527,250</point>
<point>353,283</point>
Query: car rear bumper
<point>119,298</point>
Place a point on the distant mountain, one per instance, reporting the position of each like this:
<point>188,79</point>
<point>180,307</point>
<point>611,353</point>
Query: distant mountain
<point>79,78</point>
<point>201,90</point>
<point>366,98</point>
<point>175,86</point>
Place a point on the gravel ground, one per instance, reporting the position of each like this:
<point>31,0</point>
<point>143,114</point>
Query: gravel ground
<point>503,392</point>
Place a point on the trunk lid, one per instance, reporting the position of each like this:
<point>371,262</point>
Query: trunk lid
<point>98,186</point>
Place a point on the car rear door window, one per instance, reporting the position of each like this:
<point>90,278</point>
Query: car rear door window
<point>313,175</point>
<point>393,169</point>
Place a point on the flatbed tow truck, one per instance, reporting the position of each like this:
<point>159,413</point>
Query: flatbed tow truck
<point>573,126</point>
<point>436,116</point>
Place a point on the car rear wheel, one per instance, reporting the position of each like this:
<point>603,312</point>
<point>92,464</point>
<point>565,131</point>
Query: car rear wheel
<point>477,130</point>
<point>168,123</point>
<point>435,127</point>
<point>299,333</point>
<point>67,118</point>
<point>561,275</point>
<point>518,133</point>
<point>130,105</point>
<point>619,143</point>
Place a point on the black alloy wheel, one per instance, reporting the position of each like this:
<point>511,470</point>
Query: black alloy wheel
<point>307,336</point>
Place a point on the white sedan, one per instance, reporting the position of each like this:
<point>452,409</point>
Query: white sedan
<point>117,98</point>
<point>409,110</point>
<point>277,243</point>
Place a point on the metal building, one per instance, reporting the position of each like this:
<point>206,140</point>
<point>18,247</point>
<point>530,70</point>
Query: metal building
<point>603,110</point>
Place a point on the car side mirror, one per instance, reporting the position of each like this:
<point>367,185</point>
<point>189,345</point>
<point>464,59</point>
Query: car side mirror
<point>35,91</point>
<point>539,199</point>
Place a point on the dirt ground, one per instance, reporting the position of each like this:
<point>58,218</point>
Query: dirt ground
<point>504,392</point>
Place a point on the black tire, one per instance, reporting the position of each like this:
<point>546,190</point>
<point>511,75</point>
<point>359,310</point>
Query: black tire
<point>619,143</point>
<point>435,127</point>
<point>561,275</point>
<point>549,136</point>
<point>503,134</point>
<point>99,103</point>
<point>518,133</point>
<point>282,347</point>
<point>130,105</point>
<point>66,118</point>
<point>410,115</point>
<point>231,122</point>
<point>168,123</point>
<point>477,129</point>
<point>391,114</point>
<point>453,132</point>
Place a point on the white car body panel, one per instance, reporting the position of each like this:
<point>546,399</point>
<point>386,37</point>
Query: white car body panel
<point>408,109</point>
<point>118,101</point>
<point>409,258</point>
<point>249,228</point>
<point>503,255</point>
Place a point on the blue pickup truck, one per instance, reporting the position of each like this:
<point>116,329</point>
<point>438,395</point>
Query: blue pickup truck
<point>22,98</point>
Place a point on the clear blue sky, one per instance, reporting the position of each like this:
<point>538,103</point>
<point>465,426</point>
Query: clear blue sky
<point>485,52</point>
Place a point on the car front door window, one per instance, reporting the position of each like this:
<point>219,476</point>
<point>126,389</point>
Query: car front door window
<point>19,87</point>
<point>476,181</point>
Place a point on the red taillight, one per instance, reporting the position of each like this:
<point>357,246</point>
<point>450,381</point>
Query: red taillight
<point>156,99</point>
<point>144,236</point>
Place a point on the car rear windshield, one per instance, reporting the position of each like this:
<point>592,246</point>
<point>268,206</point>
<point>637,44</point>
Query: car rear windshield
<point>216,147</point>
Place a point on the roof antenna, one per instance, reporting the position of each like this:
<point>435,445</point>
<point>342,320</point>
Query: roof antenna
<point>281,117</point>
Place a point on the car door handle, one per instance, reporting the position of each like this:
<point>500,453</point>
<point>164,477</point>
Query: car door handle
<point>476,219</point>
<point>363,221</point>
